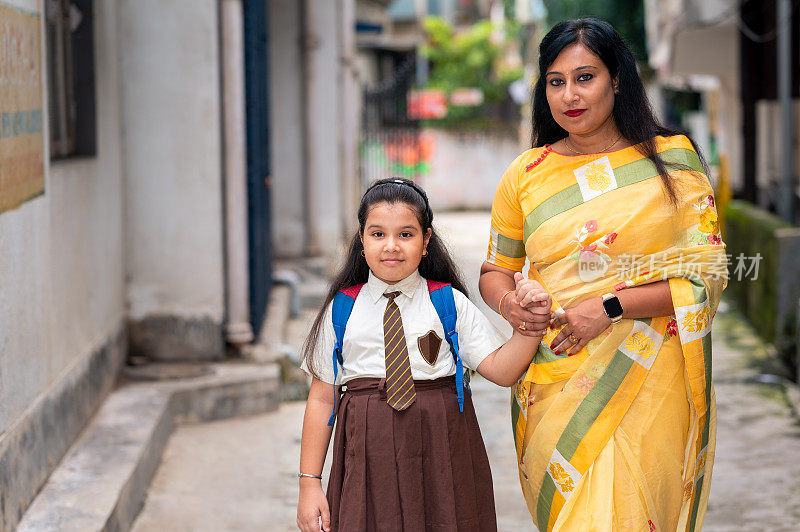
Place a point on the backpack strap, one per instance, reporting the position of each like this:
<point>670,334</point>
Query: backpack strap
<point>343,303</point>
<point>445,305</point>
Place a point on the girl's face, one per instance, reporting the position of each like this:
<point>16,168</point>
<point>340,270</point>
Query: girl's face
<point>580,91</point>
<point>393,241</point>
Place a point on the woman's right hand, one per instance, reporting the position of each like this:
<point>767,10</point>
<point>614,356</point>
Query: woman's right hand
<point>312,505</point>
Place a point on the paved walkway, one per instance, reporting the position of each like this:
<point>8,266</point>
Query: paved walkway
<point>240,475</point>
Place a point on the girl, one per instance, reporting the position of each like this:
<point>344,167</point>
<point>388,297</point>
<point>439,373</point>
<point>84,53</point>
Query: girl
<point>404,456</point>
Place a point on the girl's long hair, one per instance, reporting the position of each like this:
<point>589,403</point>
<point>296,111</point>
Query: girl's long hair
<point>632,113</point>
<point>436,265</point>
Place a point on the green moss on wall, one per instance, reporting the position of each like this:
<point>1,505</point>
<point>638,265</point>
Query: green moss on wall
<point>750,231</point>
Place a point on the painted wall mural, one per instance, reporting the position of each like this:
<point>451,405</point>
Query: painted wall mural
<point>404,154</point>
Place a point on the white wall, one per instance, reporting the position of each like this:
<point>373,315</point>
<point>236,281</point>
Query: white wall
<point>768,147</point>
<point>61,257</point>
<point>715,51</point>
<point>169,55</point>
<point>25,336</point>
<point>466,167</point>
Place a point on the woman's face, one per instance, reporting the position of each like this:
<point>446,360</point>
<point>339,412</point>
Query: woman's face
<point>580,91</point>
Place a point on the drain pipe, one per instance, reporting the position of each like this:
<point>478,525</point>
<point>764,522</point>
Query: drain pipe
<point>784,24</point>
<point>237,327</point>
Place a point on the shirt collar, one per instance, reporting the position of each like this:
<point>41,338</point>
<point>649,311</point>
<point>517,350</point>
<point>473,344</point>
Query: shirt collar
<point>407,286</point>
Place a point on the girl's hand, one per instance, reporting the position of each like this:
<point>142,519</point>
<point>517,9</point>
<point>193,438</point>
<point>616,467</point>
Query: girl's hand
<point>527,321</point>
<point>311,506</point>
<point>531,294</point>
<point>583,323</point>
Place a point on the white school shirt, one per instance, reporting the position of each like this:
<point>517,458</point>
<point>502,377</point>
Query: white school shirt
<point>363,350</point>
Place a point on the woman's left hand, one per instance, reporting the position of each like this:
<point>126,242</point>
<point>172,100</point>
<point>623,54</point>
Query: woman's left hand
<point>582,324</point>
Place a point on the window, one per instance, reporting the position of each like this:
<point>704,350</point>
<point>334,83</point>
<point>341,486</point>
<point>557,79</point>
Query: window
<point>70,63</point>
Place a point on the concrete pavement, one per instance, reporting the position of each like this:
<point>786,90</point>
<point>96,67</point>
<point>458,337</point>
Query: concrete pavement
<point>240,475</point>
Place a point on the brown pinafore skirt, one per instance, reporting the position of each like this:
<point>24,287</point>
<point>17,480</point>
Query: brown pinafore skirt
<point>422,469</point>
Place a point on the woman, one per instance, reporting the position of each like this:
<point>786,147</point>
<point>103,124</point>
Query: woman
<point>614,421</point>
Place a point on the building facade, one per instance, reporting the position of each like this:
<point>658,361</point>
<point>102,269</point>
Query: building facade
<point>730,53</point>
<point>156,156</point>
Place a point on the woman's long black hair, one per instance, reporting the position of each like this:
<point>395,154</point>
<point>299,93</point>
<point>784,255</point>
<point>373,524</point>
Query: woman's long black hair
<point>632,113</point>
<point>436,265</point>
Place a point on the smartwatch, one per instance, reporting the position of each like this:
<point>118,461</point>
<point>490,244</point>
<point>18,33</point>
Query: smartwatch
<point>612,307</point>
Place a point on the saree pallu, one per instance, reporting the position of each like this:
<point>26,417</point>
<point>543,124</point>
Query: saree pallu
<point>621,435</point>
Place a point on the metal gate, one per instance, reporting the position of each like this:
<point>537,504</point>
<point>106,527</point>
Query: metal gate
<point>390,143</point>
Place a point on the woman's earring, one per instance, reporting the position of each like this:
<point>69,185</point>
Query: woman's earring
<point>424,252</point>
<point>362,254</point>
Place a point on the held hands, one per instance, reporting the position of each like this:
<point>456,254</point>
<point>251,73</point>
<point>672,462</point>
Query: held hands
<point>582,323</point>
<point>527,308</point>
<point>311,506</point>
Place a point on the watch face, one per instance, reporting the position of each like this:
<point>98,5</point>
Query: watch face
<point>612,307</point>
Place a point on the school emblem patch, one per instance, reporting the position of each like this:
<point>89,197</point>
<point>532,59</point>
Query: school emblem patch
<point>429,345</point>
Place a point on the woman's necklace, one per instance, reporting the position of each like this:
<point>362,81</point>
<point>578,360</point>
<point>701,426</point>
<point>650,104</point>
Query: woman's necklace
<point>573,150</point>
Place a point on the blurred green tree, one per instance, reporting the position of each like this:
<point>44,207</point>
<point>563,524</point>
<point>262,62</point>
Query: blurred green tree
<point>475,57</point>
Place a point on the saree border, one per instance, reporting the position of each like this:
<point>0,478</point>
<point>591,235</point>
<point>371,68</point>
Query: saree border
<point>626,174</point>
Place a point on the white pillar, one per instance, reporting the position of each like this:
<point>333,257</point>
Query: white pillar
<point>323,123</point>
<point>286,103</point>
<point>350,97</point>
<point>237,326</point>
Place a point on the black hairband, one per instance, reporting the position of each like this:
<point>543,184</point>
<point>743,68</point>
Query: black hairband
<point>397,181</point>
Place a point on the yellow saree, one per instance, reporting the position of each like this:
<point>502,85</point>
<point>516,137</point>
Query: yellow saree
<point>621,435</point>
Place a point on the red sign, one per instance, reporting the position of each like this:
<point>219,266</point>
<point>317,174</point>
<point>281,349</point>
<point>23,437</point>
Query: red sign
<point>428,103</point>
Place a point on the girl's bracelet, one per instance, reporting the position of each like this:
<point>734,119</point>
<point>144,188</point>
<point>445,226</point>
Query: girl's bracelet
<point>500,304</point>
<point>301,475</point>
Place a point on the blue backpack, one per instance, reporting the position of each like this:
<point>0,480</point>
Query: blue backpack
<point>445,305</point>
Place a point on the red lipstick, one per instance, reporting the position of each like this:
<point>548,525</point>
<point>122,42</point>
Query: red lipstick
<point>572,113</point>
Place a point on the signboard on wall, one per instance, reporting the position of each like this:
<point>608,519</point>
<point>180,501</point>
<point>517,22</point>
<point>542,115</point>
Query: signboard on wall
<point>466,97</point>
<point>21,141</point>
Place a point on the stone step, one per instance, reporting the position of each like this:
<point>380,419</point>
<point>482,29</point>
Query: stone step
<point>101,482</point>
<point>308,280</point>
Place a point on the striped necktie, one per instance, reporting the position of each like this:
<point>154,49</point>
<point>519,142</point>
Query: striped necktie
<point>400,393</point>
